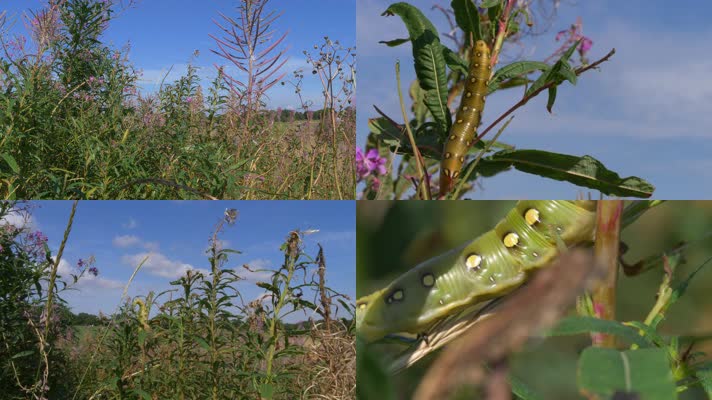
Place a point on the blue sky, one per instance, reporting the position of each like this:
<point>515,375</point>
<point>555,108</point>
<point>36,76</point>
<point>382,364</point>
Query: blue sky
<point>119,234</point>
<point>165,33</point>
<point>645,113</point>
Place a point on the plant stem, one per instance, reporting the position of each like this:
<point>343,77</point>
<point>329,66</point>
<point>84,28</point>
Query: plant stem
<point>424,182</point>
<point>606,251</point>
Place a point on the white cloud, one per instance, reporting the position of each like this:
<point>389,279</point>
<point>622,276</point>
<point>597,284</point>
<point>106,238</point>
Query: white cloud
<point>130,224</point>
<point>159,265</point>
<point>87,281</point>
<point>19,220</point>
<point>126,241</point>
<point>256,276</point>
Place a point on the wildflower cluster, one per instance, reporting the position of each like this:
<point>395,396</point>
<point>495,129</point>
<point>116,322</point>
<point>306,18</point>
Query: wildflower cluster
<point>571,36</point>
<point>370,165</point>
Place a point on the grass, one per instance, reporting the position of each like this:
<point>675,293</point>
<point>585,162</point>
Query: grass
<point>74,124</point>
<point>199,339</point>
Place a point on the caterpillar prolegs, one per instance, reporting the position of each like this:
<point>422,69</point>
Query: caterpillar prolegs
<point>489,266</point>
<point>467,118</point>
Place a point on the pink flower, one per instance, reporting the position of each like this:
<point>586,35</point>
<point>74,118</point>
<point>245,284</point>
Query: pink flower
<point>586,45</point>
<point>370,164</point>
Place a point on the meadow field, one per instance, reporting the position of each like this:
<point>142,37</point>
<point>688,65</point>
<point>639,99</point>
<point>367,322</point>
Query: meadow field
<point>75,122</point>
<point>207,335</point>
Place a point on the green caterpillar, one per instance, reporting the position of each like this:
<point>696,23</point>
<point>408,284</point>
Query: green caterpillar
<point>468,116</point>
<point>490,266</point>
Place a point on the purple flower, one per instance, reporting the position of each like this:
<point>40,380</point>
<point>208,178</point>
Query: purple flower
<point>371,163</point>
<point>188,100</point>
<point>94,271</point>
<point>80,263</point>
<point>586,45</point>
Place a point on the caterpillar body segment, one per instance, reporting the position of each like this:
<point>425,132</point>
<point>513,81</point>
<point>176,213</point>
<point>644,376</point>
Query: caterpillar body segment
<point>490,266</point>
<point>468,116</point>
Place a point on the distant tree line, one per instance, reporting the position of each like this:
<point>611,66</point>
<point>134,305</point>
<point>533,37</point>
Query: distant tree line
<point>282,115</point>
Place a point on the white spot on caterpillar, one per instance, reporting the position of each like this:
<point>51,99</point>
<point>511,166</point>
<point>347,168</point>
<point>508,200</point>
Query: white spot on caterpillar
<point>428,280</point>
<point>473,262</point>
<point>510,240</point>
<point>531,216</point>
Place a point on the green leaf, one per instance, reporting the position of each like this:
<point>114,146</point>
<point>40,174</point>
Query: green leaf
<point>705,378</point>
<point>559,72</point>
<point>681,288</point>
<point>468,19</point>
<point>552,98</point>
<point>490,3</point>
<point>269,287</point>
<point>10,160</point>
<point>144,394</point>
<point>418,108</point>
<point>394,42</point>
<point>430,66</point>
<point>266,390</point>
<point>383,131</point>
<point>577,325</point>
<point>415,21</point>
<point>372,380</point>
<point>515,69</point>
<point>605,372</point>
<point>201,342</point>
<point>454,61</point>
<point>583,171</point>
<point>521,390</point>
<point>22,354</point>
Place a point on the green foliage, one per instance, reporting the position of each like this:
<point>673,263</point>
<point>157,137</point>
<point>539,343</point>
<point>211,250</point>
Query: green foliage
<point>199,339</point>
<point>440,73</point>
<point>24,262</point>
<point>644,373</point>
<point>661,329</point>
<point>583,171</point>
<point>73,125</point>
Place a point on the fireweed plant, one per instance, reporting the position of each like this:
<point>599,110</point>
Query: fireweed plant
<point>199,339</point>
<point>74,124</point>
<point>419,164</point>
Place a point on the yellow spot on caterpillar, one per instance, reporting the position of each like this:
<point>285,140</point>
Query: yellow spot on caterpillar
<point>462,159</point>
<point>446,172</point>
<point>473,79</point>
<point>362,306</point>
<point>464,108</point>
<point>428,280</point>
<point>468,94</point>
<point>531,216</point>
<point>448,155</point>
<point>459,121</point>
<point>479,54</point>
<point>453,137</point>
<point>473,262</point>
<point>511,239</point>
<point>454,175</point>
<point>396,296</point>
